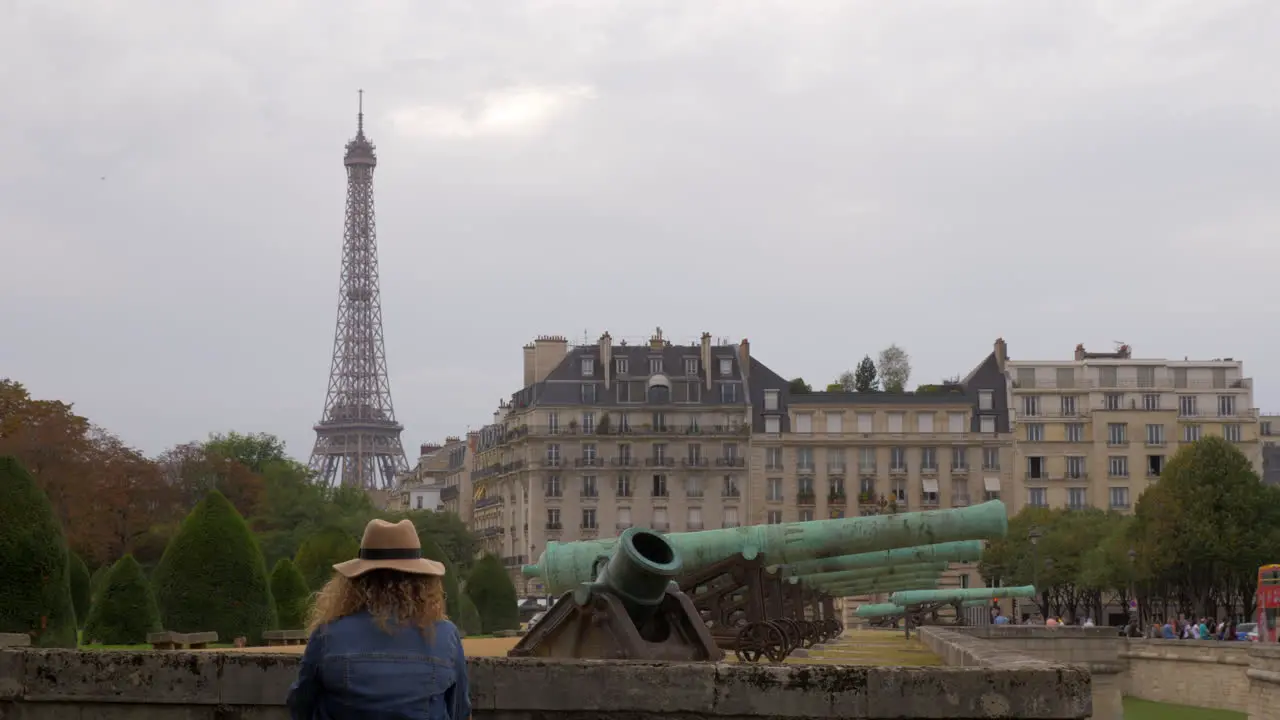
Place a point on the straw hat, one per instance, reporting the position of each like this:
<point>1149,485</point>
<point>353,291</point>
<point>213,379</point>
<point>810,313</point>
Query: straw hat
<point>390,546</point>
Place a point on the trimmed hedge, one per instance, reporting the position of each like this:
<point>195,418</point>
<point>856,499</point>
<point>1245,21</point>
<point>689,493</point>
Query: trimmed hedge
<point>468,617</point>
<point>321,551</point>
<point>293,599</point>
<point>35,572</point>
<point>452,593</point>
<point>80,593</point>
<point>96,580</point>
<point>212,576</point>
<point>125,610</point>
<point>494,595</point>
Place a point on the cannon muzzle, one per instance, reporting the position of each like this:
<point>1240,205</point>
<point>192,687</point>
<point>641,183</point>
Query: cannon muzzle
<point>642,566</point>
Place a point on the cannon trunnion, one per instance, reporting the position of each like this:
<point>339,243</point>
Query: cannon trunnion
<point>632,611</point>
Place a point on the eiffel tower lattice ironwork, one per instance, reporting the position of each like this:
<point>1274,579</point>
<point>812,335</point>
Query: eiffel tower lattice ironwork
<point>358,438</point>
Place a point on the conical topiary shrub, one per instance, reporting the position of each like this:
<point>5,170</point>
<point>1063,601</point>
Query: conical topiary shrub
<point>494,595</point>
<point>96,581</point>
<point>452,595</point>
<point>35,576</point>
<point>293,599</point>
<point>80,593</point>
<point>321,551</point>
<point>468,620</point>
<point>125,610</point>
<point>212,576</point>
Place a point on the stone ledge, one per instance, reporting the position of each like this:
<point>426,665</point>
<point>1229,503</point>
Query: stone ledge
<point>515,688</point>
<point>1214,659</point>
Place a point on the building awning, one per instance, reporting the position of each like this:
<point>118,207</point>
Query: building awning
<point>930,485</point>
<point>992,484</point>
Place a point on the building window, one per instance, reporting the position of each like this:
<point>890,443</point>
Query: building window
<point>726,367</point>
<point>1155,434</point>
<point>1231,432</point>
<point>1190,433</point>
<point>1037,497</point>
<point>897,459</point>
<point>866,423</point>
<point>624,486</point>
<point>1035,432</point>
<point>1035,468</point>
<point>1119,498</point>
<point>773,458</point>
<point>899,491</point>
<point>804,423</point>
<point>693,486</point>
<point>1150,402</point>
<point>588,393</point>
<point>553,486</point>
<point>773,424</point>
<point>774,517</point>
<point>691,366</point>
<point>773,489</point>
<point>553,519</point>
<point>624,518</point>
<point>694,520</point>
<point>1075,467</point>
<point>986,399</point>
<point>895,422</point>
<point>990,458</point>
<point>1118,466</point>
<point>1069,405</point>
<point>589,518</point>
<point>1226,406</point>
<point>731,517</point>
<point>730,489</point>
<point>959,458</point>
<point>987,424</point>
<point>867,460</point>
<point>1031,405</point>
<point>728,392</point>
<point>588,367</point>
<point>659,485</point>
<point>1155,465</point>
<point>1187,405</point>
<point>1077,498</point>
<point>588,423</point>
<point>1114,401</point>
<point>589,489</point>
<point>1266,427</point>
<point>806,514</point>
<point>419,500</point>
<point>804,459</point>
<point>835,423</point>
<point>655,366</point>
<point>620,365</point>
<point>770,399</point>
<point>1117,434</point>
<point>1075,432</point>
<point>929,459</point>
<point>955,422</point>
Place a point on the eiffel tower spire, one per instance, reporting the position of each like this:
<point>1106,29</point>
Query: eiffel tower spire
<point>358,438</point>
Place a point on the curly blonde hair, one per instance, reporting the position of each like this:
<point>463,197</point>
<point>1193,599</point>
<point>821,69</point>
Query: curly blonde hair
<point>389,595</point>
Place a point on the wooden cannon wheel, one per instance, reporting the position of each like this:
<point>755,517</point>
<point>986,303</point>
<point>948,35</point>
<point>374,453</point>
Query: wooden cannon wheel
<point>762,639</point>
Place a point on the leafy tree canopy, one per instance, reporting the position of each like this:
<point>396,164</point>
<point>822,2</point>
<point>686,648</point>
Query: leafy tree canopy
<point>494,595</point>
<point>797,386</point>
<point>865,378</point>
<point>125,610</point>
<point>894,368</point>
<point>35,574</point>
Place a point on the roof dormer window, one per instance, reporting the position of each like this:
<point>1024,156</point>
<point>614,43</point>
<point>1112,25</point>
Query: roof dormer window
<point>588,367</point>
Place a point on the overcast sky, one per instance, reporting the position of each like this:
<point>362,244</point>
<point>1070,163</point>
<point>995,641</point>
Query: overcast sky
<point>824,178</point>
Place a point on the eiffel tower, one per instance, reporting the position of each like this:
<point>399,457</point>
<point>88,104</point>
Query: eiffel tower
<point>358,438</point>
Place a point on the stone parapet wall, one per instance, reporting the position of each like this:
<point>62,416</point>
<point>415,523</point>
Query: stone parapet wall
<point>1203,673</point>
<point>55,684</point>
<point>1264,681</point>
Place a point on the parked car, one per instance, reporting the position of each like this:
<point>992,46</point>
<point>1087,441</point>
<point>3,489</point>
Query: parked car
<point>534,620</point>
<point>1247,632</point>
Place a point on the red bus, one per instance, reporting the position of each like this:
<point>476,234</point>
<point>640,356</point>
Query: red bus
<point>1268,602</point>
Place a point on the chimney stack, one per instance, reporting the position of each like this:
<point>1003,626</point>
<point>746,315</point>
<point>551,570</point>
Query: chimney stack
<point>744,357</point>
<point>656,342</point>
<point>530,365</point>
<point>706,359</point>
<point>606,358</point>
<point>1079,352</point>
<point>1002,354</point>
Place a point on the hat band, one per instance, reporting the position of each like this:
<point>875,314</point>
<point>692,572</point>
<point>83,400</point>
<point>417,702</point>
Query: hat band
<point>391,554</point>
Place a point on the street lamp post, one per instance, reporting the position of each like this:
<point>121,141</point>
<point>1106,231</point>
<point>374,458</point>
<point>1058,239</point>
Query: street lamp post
<point>1048,568</point>
<point>1033,536</point>
<point>1133,589</point>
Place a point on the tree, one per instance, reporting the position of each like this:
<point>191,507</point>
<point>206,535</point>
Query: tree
<point>865,379</point>
<point>125,610</point>
<point>835,387</point>
<point>129,498</point>
<point>468,617</point>
<point>80,588</point>
<point>293,599</point>
<point>894,368</point>
<point>797,386</point>
<point>212,575</point>
<point>193,470</point>
<point>320,552</point>
<point>450,533</point>
<point>494,595</point>
<point>452,594</point>
<point>255,451</point>
<point>35,576</point>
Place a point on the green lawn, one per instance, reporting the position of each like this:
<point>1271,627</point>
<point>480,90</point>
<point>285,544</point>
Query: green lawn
<point>1135,709</point>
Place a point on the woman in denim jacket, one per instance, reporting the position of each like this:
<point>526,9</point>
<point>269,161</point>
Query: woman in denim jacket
<point>380,645</point>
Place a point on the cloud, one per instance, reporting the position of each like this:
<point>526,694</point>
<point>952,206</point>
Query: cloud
<point>518,110</point>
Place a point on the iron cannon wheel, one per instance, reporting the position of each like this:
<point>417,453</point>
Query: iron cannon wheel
<point>761,639</point>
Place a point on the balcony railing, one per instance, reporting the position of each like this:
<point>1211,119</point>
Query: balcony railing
<point>837,498</point>
<point>552,462</point>
<point>587,462</point>
<point>449,493</point>
<point>731,493</point>
<point>835,468</point>
<point>694,462</point>
<point>589,494</point>
<point>612,429</point>
<point>804,468</point>
<point>1132,384</point>
<point>960,501</point>
<point>623,461</point>
<point>659,462</point>
<point>694,524</point>
<point>1156,442</point>
<point>734,462</point>
<point>490,532</point>
<point>805,498</point>
<point>514,560</point>
<point>554,526</point>
<point>488,502</point>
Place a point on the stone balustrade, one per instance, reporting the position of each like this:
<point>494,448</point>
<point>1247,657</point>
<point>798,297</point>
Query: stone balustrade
<point>55,684</point>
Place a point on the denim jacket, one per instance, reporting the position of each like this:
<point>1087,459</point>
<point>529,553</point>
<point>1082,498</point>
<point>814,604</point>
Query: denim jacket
<point>354,669</point>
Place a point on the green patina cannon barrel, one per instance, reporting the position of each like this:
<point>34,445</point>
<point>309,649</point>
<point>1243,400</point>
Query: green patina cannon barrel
<point>960,551</point>
<point>875,573</point>
<point>563,566</point>
<point>878,610</point>
<point>919,597</point>
<point>883,581</point>
<point>882,586</point>
<point>638,572</point>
